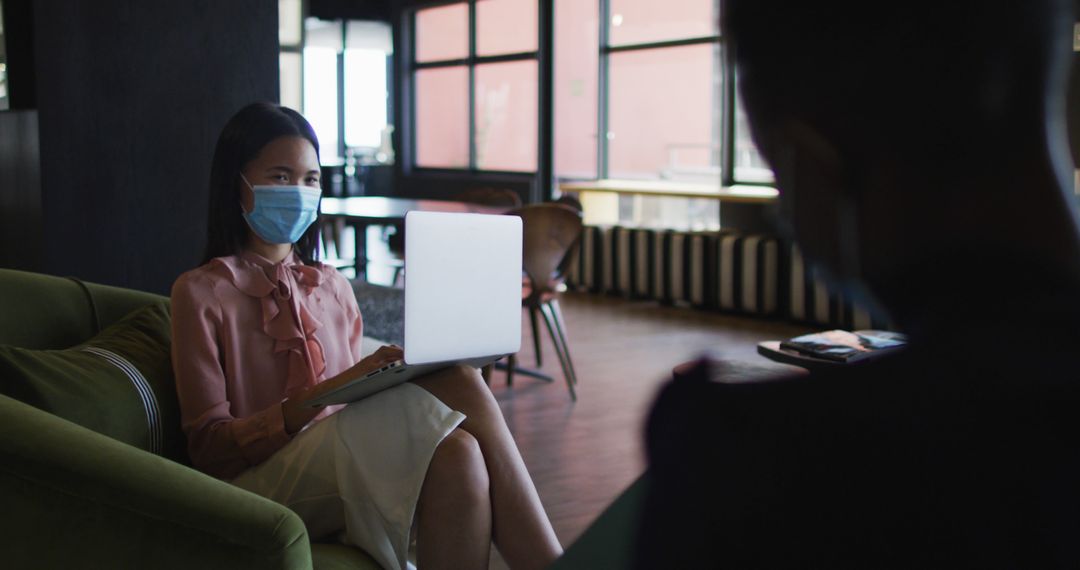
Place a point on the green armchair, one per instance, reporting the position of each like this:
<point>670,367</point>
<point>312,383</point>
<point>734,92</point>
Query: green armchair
<point>75,498</point>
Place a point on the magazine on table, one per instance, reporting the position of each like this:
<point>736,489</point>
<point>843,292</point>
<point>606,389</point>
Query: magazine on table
<point>846,346</point>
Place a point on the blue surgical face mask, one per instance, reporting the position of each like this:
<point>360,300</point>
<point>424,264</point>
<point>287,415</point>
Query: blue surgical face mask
<point>282,213</point>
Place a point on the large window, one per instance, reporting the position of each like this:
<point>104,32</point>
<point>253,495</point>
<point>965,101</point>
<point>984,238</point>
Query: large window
<point>336,73</point>
<point>662,114</point>
<point>661,73</point>
<point>475,86</point>
<point>639,91</point>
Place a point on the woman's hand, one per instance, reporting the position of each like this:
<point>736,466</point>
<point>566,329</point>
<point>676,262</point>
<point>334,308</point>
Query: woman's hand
<point>374,361</point>
<point>297,415</point>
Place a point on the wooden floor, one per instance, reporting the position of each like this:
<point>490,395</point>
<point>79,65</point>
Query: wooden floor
<point>582,455</point>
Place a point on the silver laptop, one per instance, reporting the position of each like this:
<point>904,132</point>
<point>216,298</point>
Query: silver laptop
<point>462,299</point>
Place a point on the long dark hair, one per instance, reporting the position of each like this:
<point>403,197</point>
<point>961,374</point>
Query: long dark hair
<point>246,133</point>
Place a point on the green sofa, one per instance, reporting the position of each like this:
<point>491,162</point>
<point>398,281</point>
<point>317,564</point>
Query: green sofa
<point>97,357</point>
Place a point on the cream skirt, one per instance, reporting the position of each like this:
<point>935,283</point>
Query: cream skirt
<point>357,474</point>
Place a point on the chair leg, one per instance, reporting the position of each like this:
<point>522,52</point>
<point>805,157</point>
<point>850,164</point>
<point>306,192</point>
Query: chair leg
<point>561,327</point>
<point>360,249</point>
<point>549,320</point>
<point>325,242</point>
<point>536,333</point>
<point>329,242</point>
<point>337,229</point>
<point>486,372</point>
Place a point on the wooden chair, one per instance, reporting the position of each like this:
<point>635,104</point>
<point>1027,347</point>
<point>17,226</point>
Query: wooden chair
<point>564,266</point>
<point>489,196</point>
<point>569,200</point>
<point>482,195</point>
<point>550,233</point>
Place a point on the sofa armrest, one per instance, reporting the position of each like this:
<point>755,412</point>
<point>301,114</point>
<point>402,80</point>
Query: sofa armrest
<point>75,498</point>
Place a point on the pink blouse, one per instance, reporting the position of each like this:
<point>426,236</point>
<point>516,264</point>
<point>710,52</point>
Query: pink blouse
<point>248,333</point>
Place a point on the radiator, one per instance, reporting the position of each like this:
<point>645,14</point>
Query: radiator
<point>726,271</point>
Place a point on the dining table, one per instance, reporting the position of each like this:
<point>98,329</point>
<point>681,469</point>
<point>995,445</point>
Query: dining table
<point>360,212</point>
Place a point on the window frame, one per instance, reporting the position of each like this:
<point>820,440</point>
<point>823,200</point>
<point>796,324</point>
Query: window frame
<point>604,85</point>
<point>470,62</point>
<point>544,179</point>
<point>342,24</point>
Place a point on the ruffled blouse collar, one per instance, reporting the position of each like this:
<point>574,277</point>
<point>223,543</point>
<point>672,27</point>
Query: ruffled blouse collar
<point>281,288</point>
<point>257,276</point>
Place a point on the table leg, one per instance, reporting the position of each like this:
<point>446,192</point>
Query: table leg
<point>360,245</point>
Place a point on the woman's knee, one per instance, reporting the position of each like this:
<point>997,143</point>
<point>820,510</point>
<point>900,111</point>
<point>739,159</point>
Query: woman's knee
<point>470,384</point>
<point>468,378</point>
<point>459,460</point>
<point>463,389</point>
<point>462,383</point>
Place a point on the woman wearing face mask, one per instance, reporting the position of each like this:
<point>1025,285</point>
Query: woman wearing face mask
<point>261,327</point>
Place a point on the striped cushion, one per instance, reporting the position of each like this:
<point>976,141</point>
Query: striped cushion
<point>119,383</point>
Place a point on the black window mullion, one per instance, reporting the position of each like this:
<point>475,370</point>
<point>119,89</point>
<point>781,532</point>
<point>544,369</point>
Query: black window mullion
<point>472,86</point>
<point>341,92</point>
<point>445,63</point>
<point>727,121</point>
<point>602,91</point>
<point>480,60</point>
<point>545,101</point>
<point>663,44</point>
<point>408,95</point>
<point>522,56</point>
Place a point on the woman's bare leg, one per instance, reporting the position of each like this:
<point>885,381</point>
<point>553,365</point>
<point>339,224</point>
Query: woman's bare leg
<point>521,529</point>
<point>454,512</point>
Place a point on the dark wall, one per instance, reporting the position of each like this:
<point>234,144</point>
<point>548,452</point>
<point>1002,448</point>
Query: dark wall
<point>20,191</point>
<point>1072,108</point>
<point>350,9</point>
<point>131,96</point>
<point>19,52</point>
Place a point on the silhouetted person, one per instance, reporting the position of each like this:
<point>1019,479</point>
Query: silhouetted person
<point>920,152</point>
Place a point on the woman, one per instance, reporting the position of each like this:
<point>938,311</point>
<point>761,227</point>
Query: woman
<point>261,327</point>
